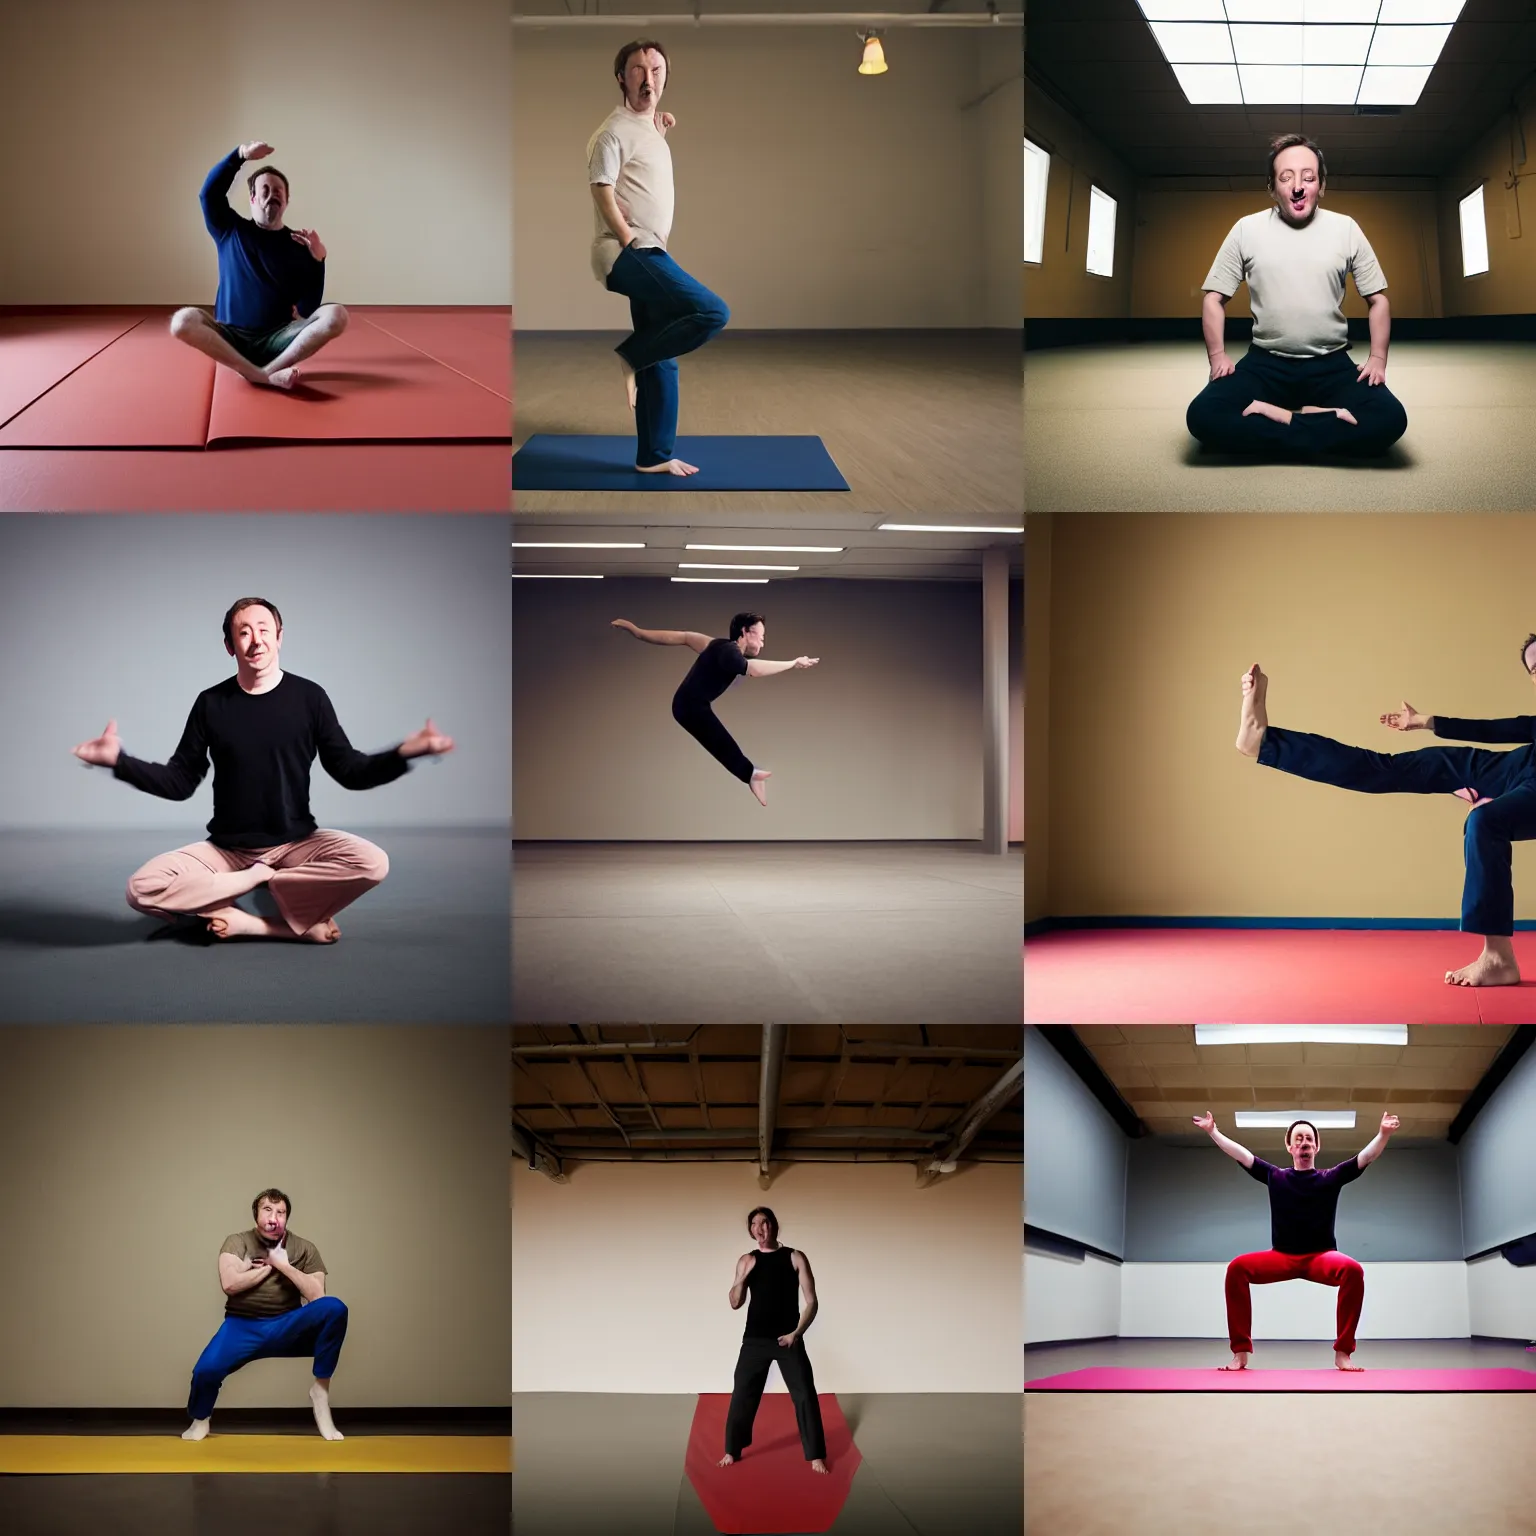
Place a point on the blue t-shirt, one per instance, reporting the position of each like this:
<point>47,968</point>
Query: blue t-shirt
<point>264,274</point>
<point>1302,1205</point>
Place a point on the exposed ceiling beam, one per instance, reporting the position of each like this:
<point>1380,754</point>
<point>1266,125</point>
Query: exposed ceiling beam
<point>536,1157</point>
<point>972,1121</point>
<point>768,1097</point>
<point>852,1048</point>
<point>749,1155</point>
<point>749,1133</point>
<point>781,19</point>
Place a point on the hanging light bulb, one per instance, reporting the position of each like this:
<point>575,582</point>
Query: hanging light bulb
<point>873,62</point>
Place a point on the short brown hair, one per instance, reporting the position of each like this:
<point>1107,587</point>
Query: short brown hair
<point>621,62</point>
<point>1292,1126</point>
<point>273,1195</point>
<point>742,623</point>
<point>1285,141</point>
<point>247,602</point>
<point>265,170</point>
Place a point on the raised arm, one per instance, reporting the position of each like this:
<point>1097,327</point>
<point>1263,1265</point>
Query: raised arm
<point>218,217</point>
<point>757,667</point>
<point>1378,1143</point>
<point>689,637</point>
<point>1235,1150</point>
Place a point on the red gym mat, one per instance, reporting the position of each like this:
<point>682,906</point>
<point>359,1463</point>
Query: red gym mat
<point>1123,1379</point>
<point>39,349</point>
<point>1265,976</point>
<point>474,342</point>
<point>772,1487</point>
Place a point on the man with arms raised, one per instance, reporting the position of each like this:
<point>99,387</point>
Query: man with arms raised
<point>1302,1201</point>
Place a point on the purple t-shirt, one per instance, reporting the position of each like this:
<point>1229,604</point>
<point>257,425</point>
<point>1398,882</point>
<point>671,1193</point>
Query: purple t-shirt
<point>1302,1205</point>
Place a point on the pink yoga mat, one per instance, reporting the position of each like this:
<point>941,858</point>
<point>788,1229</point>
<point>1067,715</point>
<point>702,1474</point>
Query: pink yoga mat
<point>1109,1378</point>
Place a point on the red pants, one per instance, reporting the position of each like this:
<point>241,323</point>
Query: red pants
<point>1331,1268</point>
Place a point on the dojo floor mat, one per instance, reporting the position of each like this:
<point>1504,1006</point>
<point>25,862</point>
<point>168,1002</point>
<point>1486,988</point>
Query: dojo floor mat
<point>56,1454</point>
<point>1265,976</point>
<point>38,350</point>
<point>605,464</point>
<point>1210,1379</point>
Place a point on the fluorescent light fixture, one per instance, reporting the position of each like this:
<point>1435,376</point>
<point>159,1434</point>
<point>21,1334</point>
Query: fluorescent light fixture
<point>1301,52</point>
<point>773,549</point>
<point>1474,234</point>
<point>1291,1034</point>
<point>703,565</point>
<point>1282,1119</point>
<point>1037,174</point>
<point>549,576</point>
<point>944,528</point>
<point>1101,233</point>
<point>741,581</point>
<point>576,544</point>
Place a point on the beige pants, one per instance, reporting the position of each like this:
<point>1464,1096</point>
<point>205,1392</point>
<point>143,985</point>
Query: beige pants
<point>315,877</point>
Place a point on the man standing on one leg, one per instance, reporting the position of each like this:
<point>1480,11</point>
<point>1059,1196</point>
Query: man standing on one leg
<point>720,664</point>
<point>629,169</point>
<point>267,314</point>
<point>774,1275</point>
<point>1296,391</point>
<point>1499,786</point>
<point>1302,1201</point>
<point>277,1308</point>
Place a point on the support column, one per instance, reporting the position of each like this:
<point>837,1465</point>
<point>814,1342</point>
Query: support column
<point>994,697</point>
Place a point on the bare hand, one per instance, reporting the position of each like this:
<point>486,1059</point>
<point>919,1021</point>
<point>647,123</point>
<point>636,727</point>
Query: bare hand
<point>1372,371</point>
<point>1389,1123</point>
<point>427,742</point>
<point>257,149</point>
<point>252,1265</point>
<point>624,624</point>
<point>787,1340</point>
<point>103,752</point>
<point>310,241</point>
<point>1221,366</point>
<point>803,662</point>
<point>665,120</point>
<point>1405,719</point>
<point>1205,1122</point>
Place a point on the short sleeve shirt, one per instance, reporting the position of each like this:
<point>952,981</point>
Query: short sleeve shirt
<point>277,1293</point>
<point>719,664</point>
<point>1302,1205</point>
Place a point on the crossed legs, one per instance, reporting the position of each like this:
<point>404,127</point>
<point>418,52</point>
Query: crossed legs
<point>1332,1268</point>
<point>197,329</point>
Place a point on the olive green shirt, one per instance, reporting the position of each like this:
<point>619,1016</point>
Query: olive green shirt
<point>277,1293</point>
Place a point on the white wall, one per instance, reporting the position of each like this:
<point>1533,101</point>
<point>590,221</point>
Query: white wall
<point>620,1277</point>
<point>1070,1299</point>
<point>1502,1298</point>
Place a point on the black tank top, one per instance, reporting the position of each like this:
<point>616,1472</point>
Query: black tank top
<point>775,1290</point>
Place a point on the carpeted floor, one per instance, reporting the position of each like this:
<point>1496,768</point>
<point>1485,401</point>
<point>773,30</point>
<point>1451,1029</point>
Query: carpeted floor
<point>682,933</point>
<point>1104,432</point>
<point>429,945</point>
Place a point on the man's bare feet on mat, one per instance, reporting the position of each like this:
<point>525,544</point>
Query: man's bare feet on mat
<point>725,1461</point>
<point>236,923</point>
<point>284,378</point>
<point>1239,1362</point>
<point>671,467</point>
<point>1492,968</point>
<point>1345,1362</point>
<point>1253,720</point>
<point>818,1465</point>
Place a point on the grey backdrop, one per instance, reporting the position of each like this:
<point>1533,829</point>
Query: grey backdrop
<point>1498,1156</point>
<point>395,617</point>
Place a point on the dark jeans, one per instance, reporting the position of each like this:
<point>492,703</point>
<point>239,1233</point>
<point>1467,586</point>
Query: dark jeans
<point>317,1329</point>
<point>1215,415</point>
<point>1508,778</point>
<point>747,1392</point>
<point>671,314</point>
<point>701,722</point>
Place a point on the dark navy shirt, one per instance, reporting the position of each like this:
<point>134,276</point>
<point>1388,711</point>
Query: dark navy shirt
<point>1518,729</point>
<point>775,1291</point>
<point>264,274</point>
<point>1302,1205</point>
<point>717,666</point>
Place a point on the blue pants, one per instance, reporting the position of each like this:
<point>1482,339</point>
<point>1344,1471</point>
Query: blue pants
<point>1215,415</point>
<point>314,1329</point>
<point>1508,778</point>
<point>672,314</point>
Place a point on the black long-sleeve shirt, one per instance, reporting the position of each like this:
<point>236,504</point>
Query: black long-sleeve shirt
<point>262,746</point>
<point>1518,729</point>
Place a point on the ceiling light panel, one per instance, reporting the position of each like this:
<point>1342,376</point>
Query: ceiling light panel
<point>1194,42</point>
<point>1407,45</point>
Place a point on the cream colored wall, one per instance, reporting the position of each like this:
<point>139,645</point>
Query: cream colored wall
<point>1508,287</point>
<point>807,195</point>
<point>1037,702</point>
<point>1016,714</point>
<point>130,1153</point>
<point>1002,112</point>
<point>388,116</point>
<point>620,1277</point>
<point>1153,620</point>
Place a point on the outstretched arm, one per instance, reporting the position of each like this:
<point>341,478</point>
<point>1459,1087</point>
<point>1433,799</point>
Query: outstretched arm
<point>1378,1143</point>
<point>1518,729</point>
<point>689,637</point>
<point>175,780</point>
<point>757,667</point>
<point>1233,1149</point>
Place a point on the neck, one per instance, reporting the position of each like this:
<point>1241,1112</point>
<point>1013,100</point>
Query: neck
<point>258,682</point>
<point>643,110</point>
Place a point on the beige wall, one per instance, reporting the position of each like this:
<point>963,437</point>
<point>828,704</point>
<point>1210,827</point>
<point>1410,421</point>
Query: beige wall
<point>1002,113</point>
<point>620,1277</point>
<point>389,117</point>
<point>131,1153</point>
<point>1037,696</point>
<point>881,740</point>
<point>1153,620</point>
<point>1016,712</point>
<point>1508,287</point>
<point>807,195</point>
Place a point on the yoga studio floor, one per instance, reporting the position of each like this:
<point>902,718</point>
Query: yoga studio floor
<point>429,945</point>
<point>1105,433</point>
<point>933,1464</point>
<point>103,410</point>
<point>869,933</point>
<point>919,422</point>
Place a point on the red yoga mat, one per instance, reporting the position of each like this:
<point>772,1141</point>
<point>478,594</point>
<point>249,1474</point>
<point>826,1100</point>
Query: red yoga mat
<point>37,350</point>
<point>474,342</point>
<point>772,1487</point>
<point>1106,1378</point>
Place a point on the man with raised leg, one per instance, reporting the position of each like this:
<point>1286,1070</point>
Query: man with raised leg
<point>629,169</point>
<point>720,664</point>
<point>276,1309</point>
<point>776,1276</point>
<point>1499,786</point>
<point>268,316</point>
<point>263,729</point>
<point>1303,1200</point>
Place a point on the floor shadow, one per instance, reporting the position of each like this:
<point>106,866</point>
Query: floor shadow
<point>1196,456</point>
<point>63,928</point>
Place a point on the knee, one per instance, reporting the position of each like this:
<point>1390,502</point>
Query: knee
<point>1351,1269</point>
<point>145,886</point>
<point>331,1306</point>
<point>336,319</point>
<point>372,862</point>
<point>716,314</point>
<point>1237,1269</point>
<point>184,322</point>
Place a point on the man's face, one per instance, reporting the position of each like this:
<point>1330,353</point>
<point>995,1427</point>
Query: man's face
<point>1303,1146</point>
<point>272,1220</point>
<point>645,77</point>
<point>751,642</point>
<point>762,1230</point>
<point>1297,184</point>
<point>269,197</point>
<point>257,639</point>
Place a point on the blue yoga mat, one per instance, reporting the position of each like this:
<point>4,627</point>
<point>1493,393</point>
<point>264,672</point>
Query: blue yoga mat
<point>589,463</point>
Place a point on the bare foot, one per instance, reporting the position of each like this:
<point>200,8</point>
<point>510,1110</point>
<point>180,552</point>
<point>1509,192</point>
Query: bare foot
<point>631,391</point>
<point>323,932</point>
<point>1472,797</point>
<point>671,467</point>
<point>320,1403</point>
<point>1330,410</point>
<point>196,1430</point>
<point>1264,408</point>
<point>759,785</point>
<point>725,1461</point>
<point>1239,1361</point>
<point>234,923</point>
<point>818,1465</point>
<point>1254,718</point>
<point>284,378</point>
<point>1342,1360</point>
<point>1490,969</point>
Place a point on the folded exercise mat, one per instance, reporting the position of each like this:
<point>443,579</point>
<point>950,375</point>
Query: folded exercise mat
<point>772,1488</point>
<point>1265,976</point>
<point>37,350</point>
<point>364,387</point>
<point>1209,1379</point>
<point>49,1454</point>
<point>474,342</point>
<point>547,462</point>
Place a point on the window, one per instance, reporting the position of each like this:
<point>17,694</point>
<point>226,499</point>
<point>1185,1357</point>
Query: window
<point>1037,170</point>
<point>1474,234</point>
<point>1101,233</point>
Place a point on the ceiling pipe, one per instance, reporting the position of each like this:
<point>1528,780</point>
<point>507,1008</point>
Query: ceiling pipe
<point>768,1097</point>
<point>749,1133</point>
<point>852,1048</point>
<point>972,1121</point>
<point>536,1158</point>
<point>748,1155</point>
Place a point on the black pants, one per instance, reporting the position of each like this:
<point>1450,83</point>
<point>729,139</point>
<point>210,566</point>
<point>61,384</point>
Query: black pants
<point>701,722</point>
<point>1215,415</point>
<point>747,1392</point>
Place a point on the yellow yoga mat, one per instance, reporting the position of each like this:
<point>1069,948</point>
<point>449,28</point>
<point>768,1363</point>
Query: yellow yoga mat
<point>254,1453</point>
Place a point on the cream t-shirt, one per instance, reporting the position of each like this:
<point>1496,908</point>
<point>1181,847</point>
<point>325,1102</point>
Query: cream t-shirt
<point>1296,277</point>
<point>629,153</point>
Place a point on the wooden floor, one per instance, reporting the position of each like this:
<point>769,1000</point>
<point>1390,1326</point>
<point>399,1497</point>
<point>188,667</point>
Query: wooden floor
<point>923,422</point>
